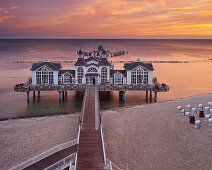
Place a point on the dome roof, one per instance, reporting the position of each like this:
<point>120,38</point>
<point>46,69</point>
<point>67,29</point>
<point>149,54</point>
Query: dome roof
<point>100,47</point>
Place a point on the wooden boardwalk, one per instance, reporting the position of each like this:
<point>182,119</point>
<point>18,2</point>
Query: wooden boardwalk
<point>90,151</point>
<point>48,161</point>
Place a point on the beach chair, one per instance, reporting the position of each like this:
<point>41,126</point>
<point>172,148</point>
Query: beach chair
<point>187,115</point>
<point>207,109</point>
<point>197,124</point>
<point>179,109</point>
<point>192,119</point>
<point>200,107</point>
<point>211,112</point>
<point>210,105</point>
<point>188,108</point>
<point>194,111</point>
<point>183,112</point>
<point>210,122</point>
<point>207,117</point>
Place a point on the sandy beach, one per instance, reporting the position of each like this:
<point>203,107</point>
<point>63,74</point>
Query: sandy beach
<point>155,137</point>
<point>23,139</point>
<point>149,136</point>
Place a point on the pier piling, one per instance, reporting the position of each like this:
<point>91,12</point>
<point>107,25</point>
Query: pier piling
<point>28,96</point>
<point>60,96</point>
<point>146,96</point>
<point>155,96</point>
<point>123,96</point>
<point>150,96</point>
<point>66,93</point>
<point>33,94</point>
<point>63,93</point>
<point>38,93</point>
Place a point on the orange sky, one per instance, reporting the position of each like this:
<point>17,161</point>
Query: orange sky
<point>105,19</point>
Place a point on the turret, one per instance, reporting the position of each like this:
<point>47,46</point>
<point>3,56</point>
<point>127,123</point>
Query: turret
<point>104,55</point>
<point>80,54</point>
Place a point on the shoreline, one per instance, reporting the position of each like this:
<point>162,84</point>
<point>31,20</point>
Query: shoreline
<point>113,108</point>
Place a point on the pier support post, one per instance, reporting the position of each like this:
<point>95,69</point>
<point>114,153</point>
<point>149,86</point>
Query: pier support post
<point>146,96</point>
<point>38,93</point>
<point>28,96</point>
<point>63,93</point>
<point>120,95</point>
<point>33,94</point>
<point>66,93</point>
<point>150,96</point>
<point>60,96</point>
<point>123,96</point>
<point>155,96</point>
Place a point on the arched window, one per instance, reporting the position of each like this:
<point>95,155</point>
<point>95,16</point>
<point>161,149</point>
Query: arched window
<point>44,76</point>
<point>92,69</point>
<point>66,78</point>
<point>80,74</point>
<point>103,75</point>
<point>139,76</point>
<point>118,78</point>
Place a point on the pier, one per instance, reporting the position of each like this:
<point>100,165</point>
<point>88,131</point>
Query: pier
<point>122,88</point>
<point>90,153</point>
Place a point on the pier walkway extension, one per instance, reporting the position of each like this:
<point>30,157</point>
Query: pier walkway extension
<point>90,150</point>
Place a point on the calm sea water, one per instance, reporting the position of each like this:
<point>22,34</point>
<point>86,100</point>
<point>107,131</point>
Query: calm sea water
<point>185,79</point>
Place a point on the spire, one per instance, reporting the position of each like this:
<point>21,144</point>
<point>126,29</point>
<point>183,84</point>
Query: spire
<point>80,54</point>
<point>138,60</point>
<point>46,60</point>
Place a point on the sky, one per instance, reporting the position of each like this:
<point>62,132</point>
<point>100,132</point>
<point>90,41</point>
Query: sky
<point>136,19</point>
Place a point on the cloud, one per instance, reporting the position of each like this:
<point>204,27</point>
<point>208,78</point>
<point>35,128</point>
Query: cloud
<point>109,18</point>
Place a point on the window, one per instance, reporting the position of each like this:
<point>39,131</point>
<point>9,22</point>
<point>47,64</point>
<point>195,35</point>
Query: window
<point>139,76</point>
<point>103,75</point>
<point>80,74</point>
<point>92,69</point>
<point>66,78</point>
<point>118,78</point>
<point>44,76</point>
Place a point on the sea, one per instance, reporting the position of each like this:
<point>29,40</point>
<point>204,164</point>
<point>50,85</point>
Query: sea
<point>184,65</point>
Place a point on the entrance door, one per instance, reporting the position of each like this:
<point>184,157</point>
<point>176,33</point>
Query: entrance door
<point>94,81</point>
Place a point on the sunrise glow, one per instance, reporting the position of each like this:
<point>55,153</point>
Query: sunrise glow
<point>105,19</point>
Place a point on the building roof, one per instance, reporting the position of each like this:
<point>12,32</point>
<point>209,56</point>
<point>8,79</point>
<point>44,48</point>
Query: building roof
<point>104,62</point>
<point>112,72</point>
<point>80,62</point>
<point>53,66</point>
<point>91,74</point>
<point>130,66</point>
<point>72,72</point>
<point>92,58</point>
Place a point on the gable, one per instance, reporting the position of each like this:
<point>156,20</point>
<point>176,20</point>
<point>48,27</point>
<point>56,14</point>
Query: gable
<point>92,62</point>
<point>43,67</point>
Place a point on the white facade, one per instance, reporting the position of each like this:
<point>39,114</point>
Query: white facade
<point>94,69</point>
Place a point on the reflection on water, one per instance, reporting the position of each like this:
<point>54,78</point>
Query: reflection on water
<point>184,79</point>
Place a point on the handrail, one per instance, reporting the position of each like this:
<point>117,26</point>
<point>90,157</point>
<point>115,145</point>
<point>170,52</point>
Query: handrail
<point>44,154</point>
<point>83,106</point>
<point>103,145</point>
<point>61,162</point>
<point>112,165</point>
<point>78,134</point>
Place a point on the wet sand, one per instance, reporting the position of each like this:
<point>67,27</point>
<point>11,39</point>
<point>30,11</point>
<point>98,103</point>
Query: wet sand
<point>23,139</point>
<point>156,137</point>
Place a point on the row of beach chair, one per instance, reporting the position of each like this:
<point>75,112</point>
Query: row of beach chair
<point>204,112</point>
